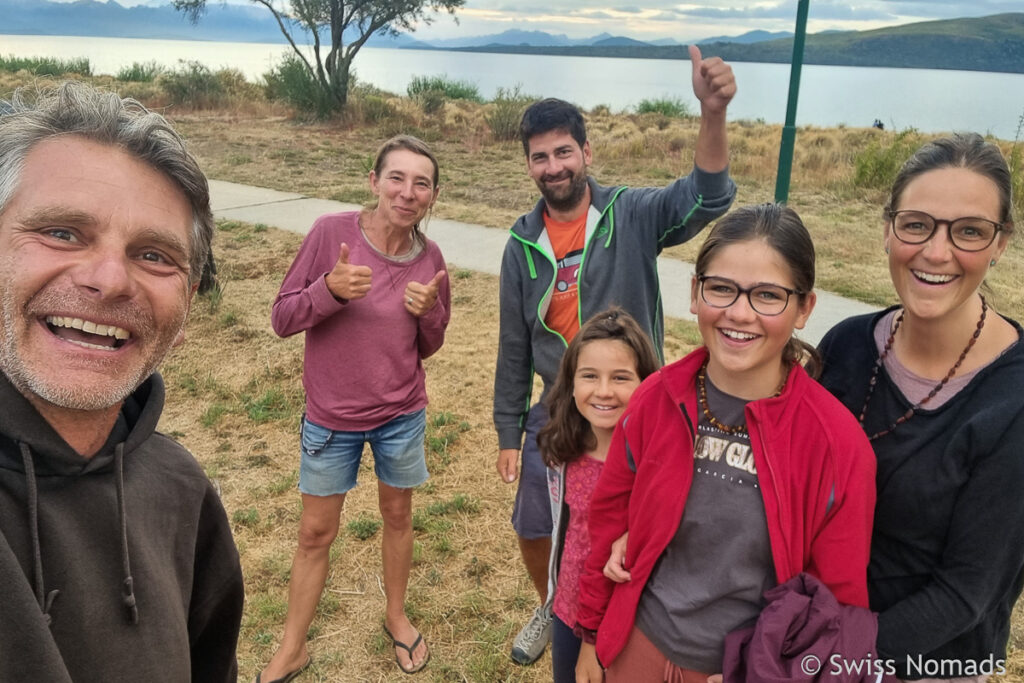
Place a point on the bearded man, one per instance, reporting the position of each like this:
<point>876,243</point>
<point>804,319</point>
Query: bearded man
<point>583,248</point>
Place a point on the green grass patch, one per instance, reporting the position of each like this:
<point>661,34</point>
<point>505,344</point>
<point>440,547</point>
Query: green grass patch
<point>364,527</point>
<point>272,404</point>
<point>46,66</point>
<point>230,225</point>
<point>672,107</point>
<point>433,91</point>
<point>283,484</point>
<point>211,416</point>
<point>263,607</point>
<point>459,503</point>
<point>452,89</point>
<point>140,72</point>
<point>443,430</point>
<point>214,296</point>
<point>248,517</point>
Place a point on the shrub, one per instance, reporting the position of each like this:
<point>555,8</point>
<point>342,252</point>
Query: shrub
<point>370,108</point>
<point>290,81</point>
<point>369,104</point>
<point>196,85</point>
<point>447,88</point>
<point>46,66</point>
<point>673,107</point>
<point>507,111</point>
<point>876,166</point>
<point>431,100</point>
<point>140,72</point>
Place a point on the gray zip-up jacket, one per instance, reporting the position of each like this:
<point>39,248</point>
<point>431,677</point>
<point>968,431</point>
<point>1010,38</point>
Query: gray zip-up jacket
<point>626,230</point>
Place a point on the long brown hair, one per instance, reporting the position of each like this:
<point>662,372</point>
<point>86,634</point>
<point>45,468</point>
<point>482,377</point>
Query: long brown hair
<point>782,230</point>
<point>567,435</point>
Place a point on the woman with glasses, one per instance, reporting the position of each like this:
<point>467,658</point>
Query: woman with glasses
<point>731,470</point>
<point>937,382</point>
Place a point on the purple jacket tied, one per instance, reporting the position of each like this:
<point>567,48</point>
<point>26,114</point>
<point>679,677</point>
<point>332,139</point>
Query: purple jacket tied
<point>804,634</point>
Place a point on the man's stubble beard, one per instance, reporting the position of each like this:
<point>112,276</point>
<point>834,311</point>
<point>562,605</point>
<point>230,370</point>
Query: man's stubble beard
<point>575,192</point>
<point>31,382</point>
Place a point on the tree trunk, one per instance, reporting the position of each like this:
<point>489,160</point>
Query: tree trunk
<point>337,73</point>
<point>339,81</point>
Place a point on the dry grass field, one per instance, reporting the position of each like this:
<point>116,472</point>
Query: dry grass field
<point>235,395</point>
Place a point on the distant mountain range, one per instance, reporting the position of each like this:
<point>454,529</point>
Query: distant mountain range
<point>251,23</point>
<point>994,43</point>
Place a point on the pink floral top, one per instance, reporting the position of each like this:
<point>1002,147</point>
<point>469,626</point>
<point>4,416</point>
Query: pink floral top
<point>580,479</point>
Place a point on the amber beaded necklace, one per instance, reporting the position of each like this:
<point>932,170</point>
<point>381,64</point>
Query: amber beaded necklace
<point>931,394</point>
<point>702,392</point>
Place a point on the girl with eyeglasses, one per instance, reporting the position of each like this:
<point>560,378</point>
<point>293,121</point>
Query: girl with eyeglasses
<point>731,470</point>
<point>936,383</point>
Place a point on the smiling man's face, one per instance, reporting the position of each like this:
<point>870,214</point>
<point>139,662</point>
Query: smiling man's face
<point>94,274</point>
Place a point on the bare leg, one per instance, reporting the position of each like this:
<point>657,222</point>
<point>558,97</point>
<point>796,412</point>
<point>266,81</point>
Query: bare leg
<point>536,552</point>
<point>396,556</point>
<point>318,527</point>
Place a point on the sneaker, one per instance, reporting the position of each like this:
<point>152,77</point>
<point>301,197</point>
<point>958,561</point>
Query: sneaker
<point>533,638</point>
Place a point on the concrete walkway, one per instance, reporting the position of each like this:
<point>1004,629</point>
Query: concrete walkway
<point>478,248</point>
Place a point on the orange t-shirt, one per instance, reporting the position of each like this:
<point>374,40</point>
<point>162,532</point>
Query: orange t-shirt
<point>567,240</point>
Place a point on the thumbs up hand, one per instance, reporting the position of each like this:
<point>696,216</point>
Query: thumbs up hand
<point>713,81</point>
<point>348,281</point>
<point>420,298</point>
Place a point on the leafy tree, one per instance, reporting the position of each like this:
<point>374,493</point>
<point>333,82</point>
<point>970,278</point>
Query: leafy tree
<point>328,21</point>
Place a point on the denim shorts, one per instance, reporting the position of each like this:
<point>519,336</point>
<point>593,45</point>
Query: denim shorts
<point>531,515</point>
<point>330,459</point>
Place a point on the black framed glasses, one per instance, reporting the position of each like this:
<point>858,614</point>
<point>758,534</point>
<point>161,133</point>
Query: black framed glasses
<point>966,234</point>
<point>766,299</point>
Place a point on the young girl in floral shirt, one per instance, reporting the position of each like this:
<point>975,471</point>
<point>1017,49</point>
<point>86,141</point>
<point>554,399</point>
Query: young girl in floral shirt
<point>603,365</point>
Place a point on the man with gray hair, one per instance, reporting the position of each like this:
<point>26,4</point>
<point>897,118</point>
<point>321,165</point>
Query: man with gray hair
<point>116,557</point>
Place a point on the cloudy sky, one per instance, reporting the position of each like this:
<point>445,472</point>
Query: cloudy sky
<point>653,19</point>
<point>684,21</point>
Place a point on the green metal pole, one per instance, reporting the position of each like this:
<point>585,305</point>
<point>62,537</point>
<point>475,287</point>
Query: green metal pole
<point>789,130</point>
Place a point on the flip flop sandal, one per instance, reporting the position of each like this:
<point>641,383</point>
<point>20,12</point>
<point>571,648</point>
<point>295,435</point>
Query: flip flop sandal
<point>290,676</point>
<point>408,648</point>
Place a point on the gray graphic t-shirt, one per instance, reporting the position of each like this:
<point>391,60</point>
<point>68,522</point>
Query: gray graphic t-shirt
<point>710,579</point>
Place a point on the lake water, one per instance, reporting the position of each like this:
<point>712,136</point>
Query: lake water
<point>929,100</point>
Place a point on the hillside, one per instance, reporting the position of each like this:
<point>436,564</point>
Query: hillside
<point>993,43</point>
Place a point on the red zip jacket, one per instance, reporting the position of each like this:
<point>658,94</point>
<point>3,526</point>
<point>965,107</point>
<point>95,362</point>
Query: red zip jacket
<point>816,472</point>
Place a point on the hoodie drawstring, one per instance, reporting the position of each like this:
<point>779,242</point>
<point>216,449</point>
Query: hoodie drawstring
<point>45,600</point>
<point>127,585</point>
